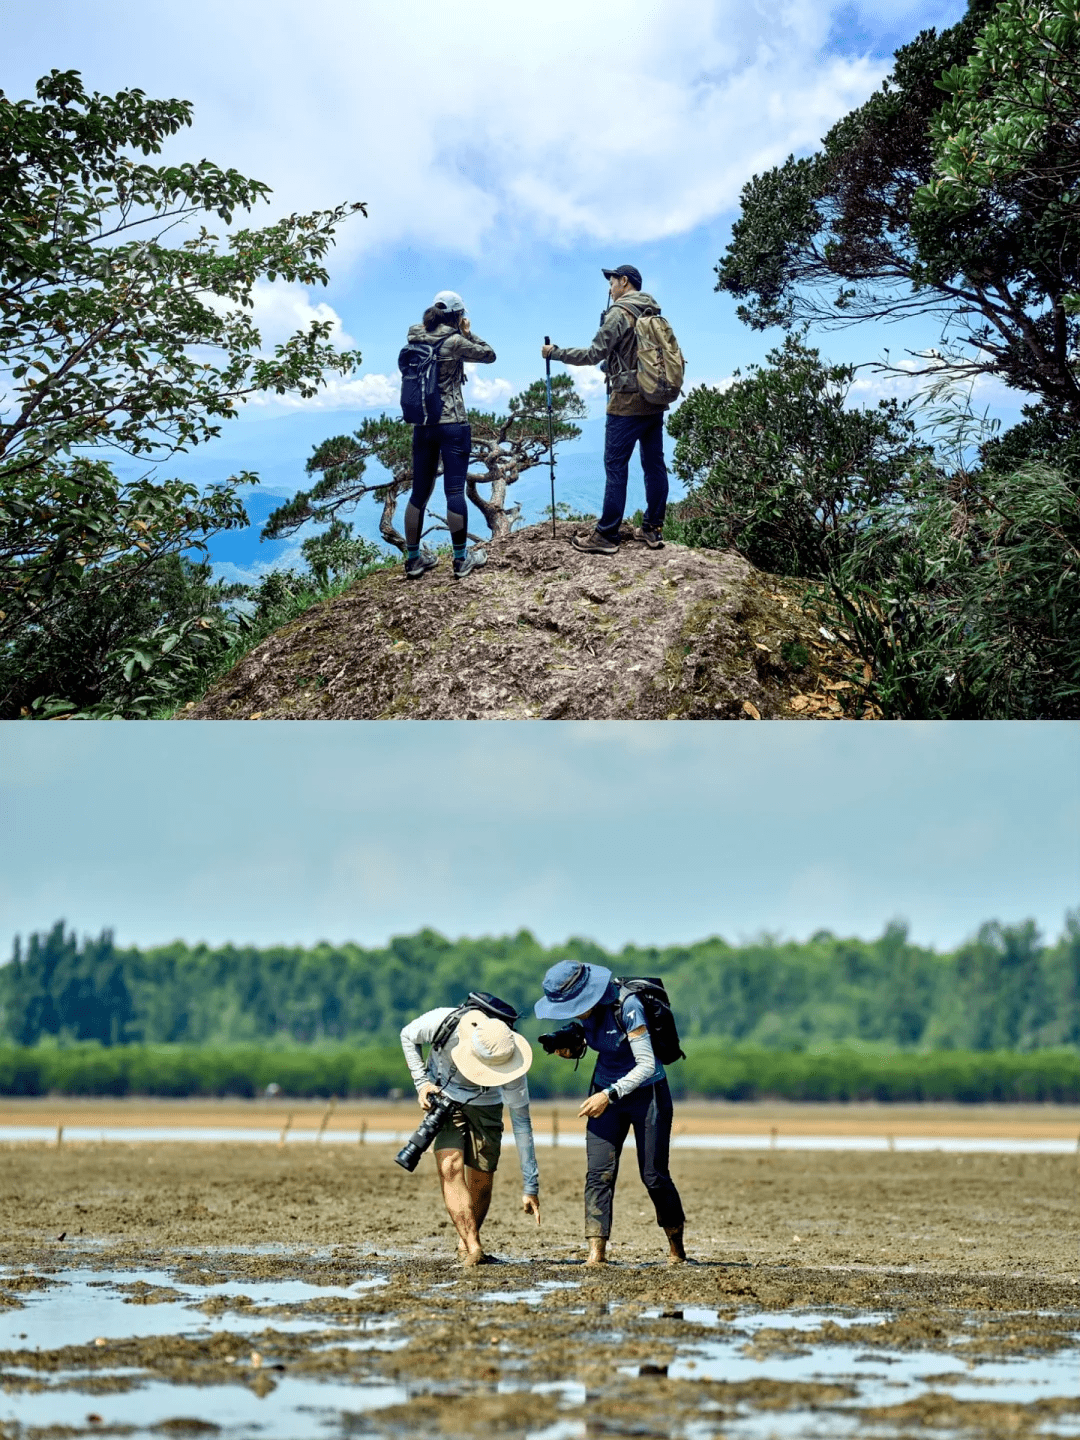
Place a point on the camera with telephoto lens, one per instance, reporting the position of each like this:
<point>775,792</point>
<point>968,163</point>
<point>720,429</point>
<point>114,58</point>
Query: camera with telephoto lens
<point>568,1037</point>
<point>408,1157</point>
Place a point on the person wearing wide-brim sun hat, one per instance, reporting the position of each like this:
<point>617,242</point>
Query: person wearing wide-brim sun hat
<point>628,1090</point>
<point>480,1066</point>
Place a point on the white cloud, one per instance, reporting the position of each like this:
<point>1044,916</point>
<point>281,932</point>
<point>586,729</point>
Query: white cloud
<point>589,382</point>
<point>621,120</point>
<point>484,391</point>
<point>905,383</point>
<point>280,309</point>
<point>364,392</point>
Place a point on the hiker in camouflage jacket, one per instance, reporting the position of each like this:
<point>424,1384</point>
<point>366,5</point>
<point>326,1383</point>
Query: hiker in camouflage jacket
<point>632,419</point>
<point>448,439</point>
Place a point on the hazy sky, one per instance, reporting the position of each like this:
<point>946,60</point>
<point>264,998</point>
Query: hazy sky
<point>622,832</point>
<point>506,151</point>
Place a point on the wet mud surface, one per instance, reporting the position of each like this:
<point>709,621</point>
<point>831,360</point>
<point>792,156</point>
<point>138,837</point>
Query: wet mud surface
<point>314,1292</point>
<point>545,631</point>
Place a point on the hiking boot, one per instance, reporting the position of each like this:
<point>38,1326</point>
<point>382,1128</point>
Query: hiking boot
<point>595,544</point>
<point>468,563</point>
<point>424,562</point>
<point>652,538</point>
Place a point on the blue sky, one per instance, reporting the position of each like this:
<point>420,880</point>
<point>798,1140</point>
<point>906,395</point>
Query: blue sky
<point>659,833</point>
<point>504,151</point>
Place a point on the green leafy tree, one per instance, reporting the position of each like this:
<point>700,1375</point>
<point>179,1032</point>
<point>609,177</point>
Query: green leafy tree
<point>1005,988</point>
<point>112,648</point>
<point>872,226</point>
<point>963,595</point>
<point>342,466</point>
<point>779,467</point>
<point>125,327</point>
<point>503,448</point>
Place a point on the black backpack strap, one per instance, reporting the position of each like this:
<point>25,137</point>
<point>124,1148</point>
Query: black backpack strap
<point>448,1026</point>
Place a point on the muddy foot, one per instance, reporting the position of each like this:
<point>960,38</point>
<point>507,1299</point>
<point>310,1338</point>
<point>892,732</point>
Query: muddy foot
<point>597,1251</point>
<point>472,1257</point>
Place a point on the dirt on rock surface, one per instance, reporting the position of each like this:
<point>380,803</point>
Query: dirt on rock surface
<point>545,631</point>
<point>846,1270</point>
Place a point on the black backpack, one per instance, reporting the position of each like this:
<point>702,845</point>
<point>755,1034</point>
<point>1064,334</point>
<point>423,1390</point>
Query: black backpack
<point>658,1017</point>
<point>421,398</point>
<point>475,1000</point>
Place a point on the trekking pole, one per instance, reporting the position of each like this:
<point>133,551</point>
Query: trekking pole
<point>551,438</point>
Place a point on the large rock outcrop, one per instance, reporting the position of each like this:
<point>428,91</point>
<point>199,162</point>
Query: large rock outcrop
<point>546,632</point>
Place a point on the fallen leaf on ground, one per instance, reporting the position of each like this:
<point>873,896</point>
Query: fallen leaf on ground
<point>799,702</point>
<point>751,710</point>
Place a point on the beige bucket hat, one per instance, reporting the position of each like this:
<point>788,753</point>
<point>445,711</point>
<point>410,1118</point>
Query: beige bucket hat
<point>487,1052</point>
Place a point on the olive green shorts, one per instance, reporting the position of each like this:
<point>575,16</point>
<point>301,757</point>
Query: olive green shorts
<point>476,1130</point>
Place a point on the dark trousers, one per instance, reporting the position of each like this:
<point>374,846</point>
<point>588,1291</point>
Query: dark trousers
<point>623,432</point>
<point>453,444</point>
<point>648,1110</point>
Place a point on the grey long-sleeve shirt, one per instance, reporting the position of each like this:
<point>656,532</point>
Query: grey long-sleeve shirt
<point>440,1070</point>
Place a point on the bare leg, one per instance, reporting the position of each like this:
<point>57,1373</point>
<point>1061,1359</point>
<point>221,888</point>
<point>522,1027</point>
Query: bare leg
<point>479,1183</point>
<point>459,1203</point>
<point>597,1251</point>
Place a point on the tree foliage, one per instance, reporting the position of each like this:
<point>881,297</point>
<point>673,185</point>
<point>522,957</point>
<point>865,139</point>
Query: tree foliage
<point>964,595</point>
<point>1004,989</point>
<point>503,448</point>
<point>907,209</point>
<point>779,467</point>
<point>125,329</point>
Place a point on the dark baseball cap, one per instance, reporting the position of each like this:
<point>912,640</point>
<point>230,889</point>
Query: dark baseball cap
<point>628,272</point>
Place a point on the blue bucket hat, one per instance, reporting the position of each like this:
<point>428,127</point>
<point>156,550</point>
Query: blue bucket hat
<point>571,988</point>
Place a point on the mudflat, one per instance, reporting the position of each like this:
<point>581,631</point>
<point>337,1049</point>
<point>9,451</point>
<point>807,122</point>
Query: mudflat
<point>855,1293</point>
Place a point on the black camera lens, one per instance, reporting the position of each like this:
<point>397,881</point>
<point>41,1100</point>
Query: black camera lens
<point>408,1157</point>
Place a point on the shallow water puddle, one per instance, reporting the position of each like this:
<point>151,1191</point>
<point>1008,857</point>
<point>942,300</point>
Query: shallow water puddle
<point>271,1402</point>
<point>250,1135</point>
<point>294,1408</point>
<point>879,1378</point>
<point>533,1296</point>
<point>86,1305</point>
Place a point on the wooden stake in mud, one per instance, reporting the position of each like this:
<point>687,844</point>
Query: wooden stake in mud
<point>326,1118</point>
<point>551,437</point>
<point>59,1136</point>
<point>363,1132</point>
<point>285,1129</point>
<point>554,1128</point>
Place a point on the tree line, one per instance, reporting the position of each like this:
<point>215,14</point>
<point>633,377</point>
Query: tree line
<point>712,1069</point>
<point>1005,989</point>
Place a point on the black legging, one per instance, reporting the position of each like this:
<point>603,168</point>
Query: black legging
<point>648,1109</point>
<point>454,444</point>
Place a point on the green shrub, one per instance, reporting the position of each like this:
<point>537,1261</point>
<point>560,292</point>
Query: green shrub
<point>712,1070</point>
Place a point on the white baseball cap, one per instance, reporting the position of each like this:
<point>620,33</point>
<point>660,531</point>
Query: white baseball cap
<point>487,1052</point>
<point>450,300</point>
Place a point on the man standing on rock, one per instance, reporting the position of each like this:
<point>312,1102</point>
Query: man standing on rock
<point>631,419</point>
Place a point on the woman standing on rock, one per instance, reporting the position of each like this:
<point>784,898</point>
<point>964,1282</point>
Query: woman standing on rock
<point>628,1089</point>
<point>445,325</point>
